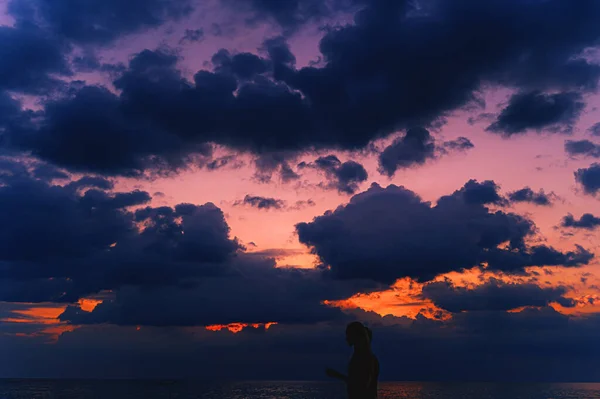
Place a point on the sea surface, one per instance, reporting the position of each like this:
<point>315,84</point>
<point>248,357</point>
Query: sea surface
<point>151,389</point>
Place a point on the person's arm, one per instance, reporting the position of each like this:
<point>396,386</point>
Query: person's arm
<point>336,374</point>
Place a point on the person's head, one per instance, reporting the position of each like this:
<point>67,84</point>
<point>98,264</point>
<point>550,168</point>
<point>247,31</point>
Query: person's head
<point>358,335</point>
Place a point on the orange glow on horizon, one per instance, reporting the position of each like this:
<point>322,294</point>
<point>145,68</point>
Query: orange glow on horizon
<point>404,299</point>
<point>54,332</point>
<point>238,327</point>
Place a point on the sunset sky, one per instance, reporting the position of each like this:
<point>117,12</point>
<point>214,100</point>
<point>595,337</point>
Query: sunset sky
<point>215,188</point>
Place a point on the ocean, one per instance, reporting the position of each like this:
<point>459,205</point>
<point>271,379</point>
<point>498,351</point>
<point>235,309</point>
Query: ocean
<point>138,389</point>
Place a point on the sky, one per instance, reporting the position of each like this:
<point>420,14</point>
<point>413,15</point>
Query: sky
<point>215,189</point>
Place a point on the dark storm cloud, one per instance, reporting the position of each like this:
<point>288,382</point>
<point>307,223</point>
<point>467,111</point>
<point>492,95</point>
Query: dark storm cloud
<point>255,292</point>
<point>164,265</point>
<point>28,56</point>
<point>93,129</point>
<point>582,147</point>
<point>494,295</point>
<point>375,80</point>
<point>415,148</point>
<point>388,233</point>
<point>538,111</point>
<point>345,177</point>
<point>589,178</point>
<point>63,242</point>
<point>261,202</point>
<point>480,193</point>
<point>586,221</point>
<point>242,65</point>
<point>96,21</point>
<point>33,53</point>
<point>366,89</point>
<point>526,194</point>
<point>90,132</point>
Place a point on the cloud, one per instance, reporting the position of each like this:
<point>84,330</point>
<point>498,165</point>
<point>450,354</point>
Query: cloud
<point>388,233</point>
<point>586,221</point>
<point>254,292</point>
<point>232,161</point>
<point>595,129</point>
<point>494,295</point>
<point>480,193</point>
<point>345,177</point>
<point>271,162</point>
<point>111,144</point>
<point>49,172</point>
<point>63,243</point>
<point>459,144</point>
<point>589,178</point>
<point>302,204</point>
<point>242,65</point>
<point>582,147</point>
<point>192,36</point>
<point>261,202</point>
<point>381,88</point>
<point>362,92</point>
<point>288,14</point>
<point>59,243</point>
<point>9,110</point>
<point>96,199</point>
<point>415,148</point>
<point>267,203</point>
<point>29,60</point>
<point>97,21</point>
<point>526,194</point>
<point>538,111</point>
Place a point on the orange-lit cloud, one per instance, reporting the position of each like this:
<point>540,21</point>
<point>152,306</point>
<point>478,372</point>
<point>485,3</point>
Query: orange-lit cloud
<point>88,305</point>
<point>403,298</point>
<point>237,327</point>
<point>44,316</point>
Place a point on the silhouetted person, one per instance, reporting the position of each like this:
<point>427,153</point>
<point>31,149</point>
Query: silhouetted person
<point>363,369</point>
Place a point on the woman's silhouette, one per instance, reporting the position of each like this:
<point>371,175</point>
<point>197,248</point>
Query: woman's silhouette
<point>363,369</point>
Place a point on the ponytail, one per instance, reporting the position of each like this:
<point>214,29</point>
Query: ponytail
<point>369,334</point>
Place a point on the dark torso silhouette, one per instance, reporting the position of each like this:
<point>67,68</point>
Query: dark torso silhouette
<point>363,372</point>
